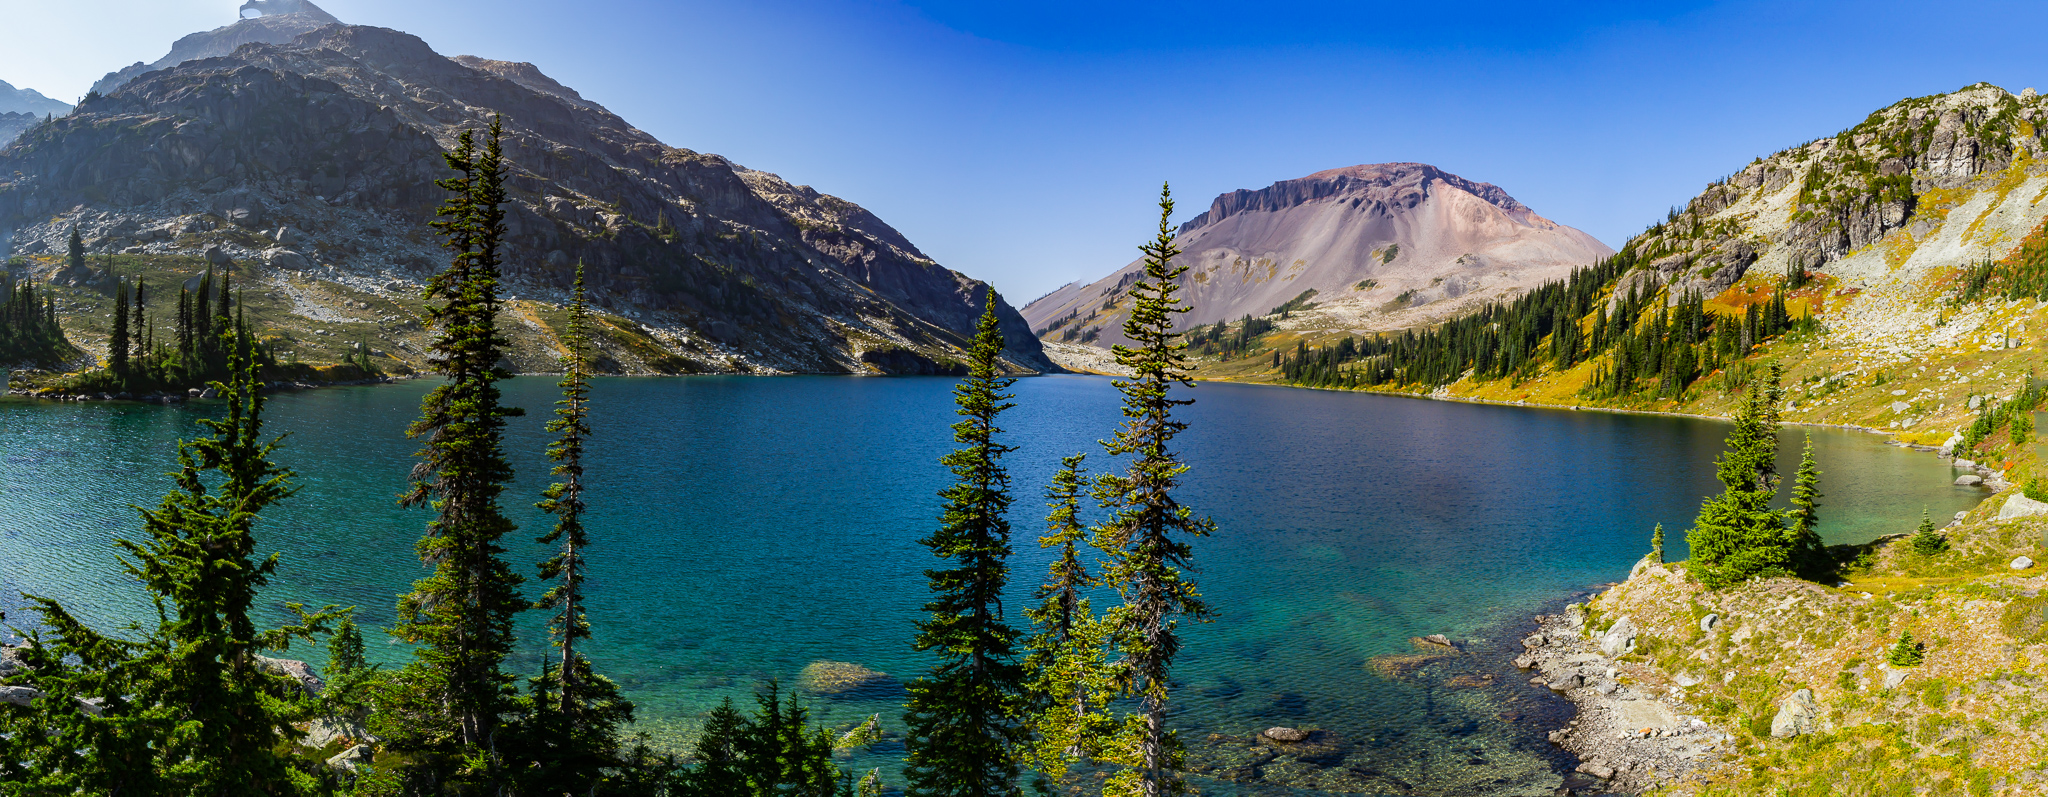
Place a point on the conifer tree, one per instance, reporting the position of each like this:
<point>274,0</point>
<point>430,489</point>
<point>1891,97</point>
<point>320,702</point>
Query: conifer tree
<point>117,343</point>
<point>461,614</point>
<point>1657,544</point>
<point>1927,541</point>
<point>963,717</point>
<point>1737,535</point>
<point>139,334</point>
<point>1148,531</point>
<point>75,253</point>
<point>1809,554</point>
<point>189,709</point>
<point>573,737</point>
<point>1069,681</point>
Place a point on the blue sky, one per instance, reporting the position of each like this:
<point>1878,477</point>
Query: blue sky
<point>1024,142</point>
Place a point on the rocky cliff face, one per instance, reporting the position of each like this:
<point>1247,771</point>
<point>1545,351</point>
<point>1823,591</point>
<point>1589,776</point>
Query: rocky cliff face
<point>1825,204</point>
<point>1380,246</point>
<point>319,154</point>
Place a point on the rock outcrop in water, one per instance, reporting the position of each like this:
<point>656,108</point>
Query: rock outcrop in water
<point>292,121</point>
<point>1383,246</point>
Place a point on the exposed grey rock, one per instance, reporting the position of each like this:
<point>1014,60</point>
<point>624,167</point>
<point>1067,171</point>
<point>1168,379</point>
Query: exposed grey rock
<point>1708,622</point>
<point>1619,639</point>
<point>217,256</point>
<point>2020,506</point>
<point>1892,678</point>
<point>1797,714</point>
<point>2022,563</point>
<point>349,760</point>
<point>19,695</point>
<point>296,670</point>
<point>286,259</point>
<point>1281,733</point>
<point>1596,769</point>
<point>1969,480</point>
<point>328,730</point>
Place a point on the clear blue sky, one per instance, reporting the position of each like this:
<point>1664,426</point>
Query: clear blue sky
<point>1023,142</point>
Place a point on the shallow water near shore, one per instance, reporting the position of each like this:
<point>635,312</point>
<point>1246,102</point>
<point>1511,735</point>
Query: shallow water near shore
<point>748,526</point>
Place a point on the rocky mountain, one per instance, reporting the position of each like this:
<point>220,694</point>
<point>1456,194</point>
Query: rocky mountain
<point>12,125</point>
<point>1380,246</point>
<point>314,159</point>
<point>28,101</point>
<point>263,22</point>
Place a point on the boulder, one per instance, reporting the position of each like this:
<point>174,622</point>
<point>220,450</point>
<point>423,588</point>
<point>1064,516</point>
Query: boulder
<point>1433,643</point>
<point>1534,641</point>
<point>1797,714</point>
<point>1892,678</point>
<point>1314,746</point>
<point>19,695</point>
<point>289,237</point>
<point>328,730</point>
<point>2022,563</point>
<point>1969,480</point>
<point>1964,464</point>
<point>286,259</point>
<point>1282,733</point>
<point>348,760</point>
<point>217,256</point>
<point>841,678</point>
<point>296,670</point>
<point>1597,769</point>
<point>2020,506</point>
<point>1619,639</point>
<point>1708,622</point>
<point>12,660</point>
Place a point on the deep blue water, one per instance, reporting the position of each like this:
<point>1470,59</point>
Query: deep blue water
<point>747,526</point>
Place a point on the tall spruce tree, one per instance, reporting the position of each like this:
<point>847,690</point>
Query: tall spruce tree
<point>75,253</point>
<point>461,615</point>
<point>1069,680</point>
<point>1147,534</point>
<point>117,342</point>
<point>963,717</point>
<point>191,708</point>
<point>1809,554</point>
<point>1738,536</point>
<point>573,714</point>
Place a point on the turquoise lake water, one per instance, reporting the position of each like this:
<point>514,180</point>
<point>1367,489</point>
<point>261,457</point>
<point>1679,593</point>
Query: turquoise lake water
<point>748,526</point>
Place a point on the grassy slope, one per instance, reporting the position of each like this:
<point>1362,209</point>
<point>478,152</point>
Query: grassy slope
<point>390,323</point>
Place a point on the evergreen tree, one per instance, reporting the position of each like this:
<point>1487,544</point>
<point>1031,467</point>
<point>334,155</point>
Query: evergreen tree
<point>775,753</point>
<point>139,333</point>
<point>963,718</point>
<point>1070,682</point>
<point>572,738</point>
<point>191,708</point>
<point>1927,541</point>
<point>1147,532</point>
<point>461,614</point>
<point>75,253</point>
<point>1738,536</point>
<point>117,342</point>
<point>1657,544</point>
<point>1809,554</point>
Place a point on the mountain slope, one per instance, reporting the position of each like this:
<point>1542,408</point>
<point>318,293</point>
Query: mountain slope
<point>278,22</point>
<point>315,158</point>
<point>1381,246</point>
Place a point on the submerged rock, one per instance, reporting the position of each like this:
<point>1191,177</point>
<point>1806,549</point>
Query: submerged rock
<point>839,678</point>
<point>1282,733</point>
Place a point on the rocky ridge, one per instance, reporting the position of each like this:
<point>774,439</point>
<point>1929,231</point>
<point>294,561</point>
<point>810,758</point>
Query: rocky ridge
<point>313,160</point>
<point>1381,246</point>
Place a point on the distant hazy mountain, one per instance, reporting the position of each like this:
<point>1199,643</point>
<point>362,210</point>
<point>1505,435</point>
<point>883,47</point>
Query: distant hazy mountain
<point>28,101</point>
<point>1384,245</point>
<point>314,158</point>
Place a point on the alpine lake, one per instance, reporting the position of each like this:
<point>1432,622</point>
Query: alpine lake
<point>747,527</point>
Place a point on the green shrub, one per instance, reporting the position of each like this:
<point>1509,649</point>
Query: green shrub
<point>1927,541</point>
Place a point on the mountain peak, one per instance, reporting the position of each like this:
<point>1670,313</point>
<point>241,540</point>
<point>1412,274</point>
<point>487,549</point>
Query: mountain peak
<point>274,22</point>
<point>1389,185</point>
